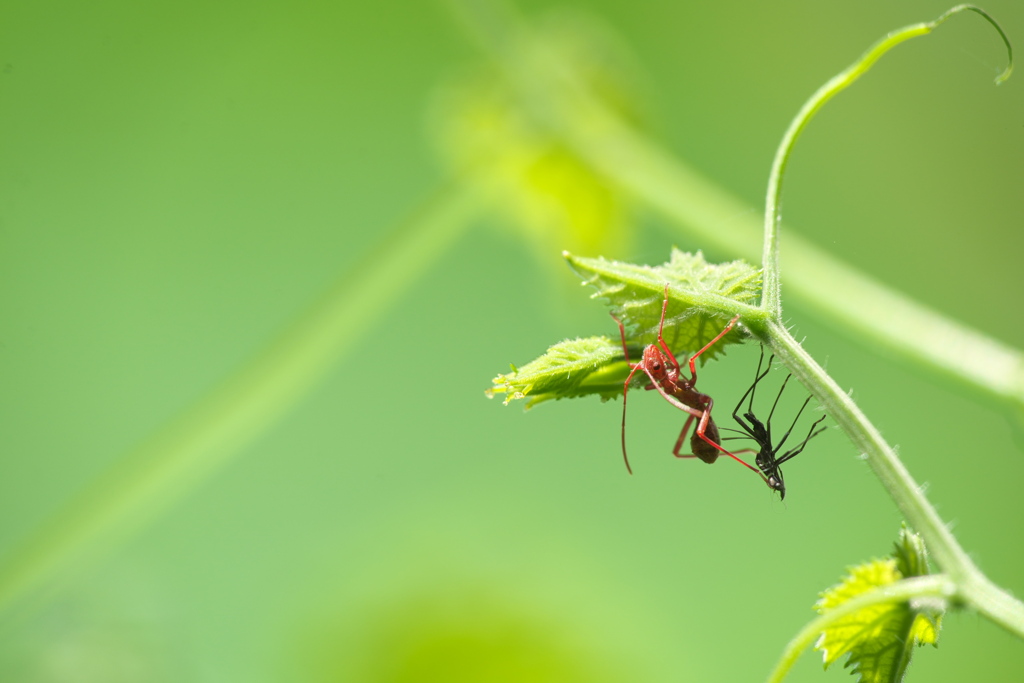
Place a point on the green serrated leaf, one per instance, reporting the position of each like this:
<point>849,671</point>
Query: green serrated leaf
<point>875,638</point>
<point>925,629</point>
<point>698,293</point>
<point>572,368</point>
<point>880,639</point>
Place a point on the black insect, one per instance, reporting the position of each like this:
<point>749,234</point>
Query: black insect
<point>768,458</point>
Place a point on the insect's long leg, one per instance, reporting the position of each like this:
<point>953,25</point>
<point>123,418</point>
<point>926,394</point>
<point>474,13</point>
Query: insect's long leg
<point>810,435</point>
<point>701,429</point>
<point>625,389</point>
<point>675,401</point>
<point>772,413</point>
<point>686,428</point>
<point>693,358</point>
<point>758,376</point>
<point>682,438</point>
<point>798,414</point>
<point>766,459</point>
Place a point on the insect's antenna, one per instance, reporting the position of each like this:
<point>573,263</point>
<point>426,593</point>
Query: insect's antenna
<point>661,331</point>
<point>625,387</point>
<point>625,392</point>
<point>622,334</point>
<point>664,312</point>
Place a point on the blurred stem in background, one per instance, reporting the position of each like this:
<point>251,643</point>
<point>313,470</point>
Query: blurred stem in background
<point>233,415</point>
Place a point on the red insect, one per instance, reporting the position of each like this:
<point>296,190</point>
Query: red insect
<point>662,368</point>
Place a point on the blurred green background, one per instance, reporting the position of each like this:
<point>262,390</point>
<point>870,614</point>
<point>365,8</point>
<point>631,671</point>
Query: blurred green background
<point>178,181</point>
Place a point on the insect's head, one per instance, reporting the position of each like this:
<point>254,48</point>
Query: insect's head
<point>775,483</point>
<point>655,362</point>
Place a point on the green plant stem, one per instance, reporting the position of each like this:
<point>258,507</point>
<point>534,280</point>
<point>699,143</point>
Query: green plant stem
<point>233,415</point>
<point>934,585</point>
<point>972,586</point>
<point>772,300</point>
<point>993,602</point>
<point>856,305</point>
<point>961,578</point>
<point>883,460</point>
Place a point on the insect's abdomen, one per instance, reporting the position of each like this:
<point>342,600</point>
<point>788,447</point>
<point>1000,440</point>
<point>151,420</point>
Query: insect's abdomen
<point>701,448</point>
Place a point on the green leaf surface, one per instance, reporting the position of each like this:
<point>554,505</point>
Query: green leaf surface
<point>702,297</point>
<point>569,369</point>
<point>880,639</point>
